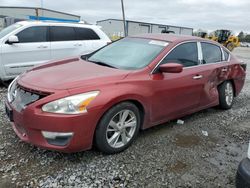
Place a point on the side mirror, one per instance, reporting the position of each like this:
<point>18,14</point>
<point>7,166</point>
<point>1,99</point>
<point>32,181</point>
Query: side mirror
<point>13,39</point>
<point>171,68</point>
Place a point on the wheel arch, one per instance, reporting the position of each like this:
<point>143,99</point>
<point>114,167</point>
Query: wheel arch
<point>234,87</point>
<point>132,99</point>
<point>141,110</point>
<point>233,84</point>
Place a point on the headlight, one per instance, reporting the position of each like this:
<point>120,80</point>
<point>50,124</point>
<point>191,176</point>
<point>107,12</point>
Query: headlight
<point>75,104</point>
<point>11,90</point>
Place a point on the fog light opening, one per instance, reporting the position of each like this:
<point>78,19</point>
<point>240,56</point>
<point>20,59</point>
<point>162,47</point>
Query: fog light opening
<point>57,138</point>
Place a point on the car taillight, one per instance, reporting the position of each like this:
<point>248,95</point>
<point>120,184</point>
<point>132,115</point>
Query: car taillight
<point>244,66</point>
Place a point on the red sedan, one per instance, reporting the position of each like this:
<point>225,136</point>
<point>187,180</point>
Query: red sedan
<point>105,98</point>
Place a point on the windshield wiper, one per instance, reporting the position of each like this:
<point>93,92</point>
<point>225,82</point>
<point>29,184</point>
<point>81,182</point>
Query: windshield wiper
<point>102,64</point>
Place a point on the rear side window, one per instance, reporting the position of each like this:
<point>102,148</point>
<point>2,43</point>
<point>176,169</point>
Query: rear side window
<point>60,33</point>
<point>185,54</point>
<point>86,34</point>
<point>33,34</point>
<point>226,55</point>
<point>211,53</point>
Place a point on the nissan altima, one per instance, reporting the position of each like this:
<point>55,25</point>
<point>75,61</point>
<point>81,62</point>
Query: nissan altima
<point>107,97</point>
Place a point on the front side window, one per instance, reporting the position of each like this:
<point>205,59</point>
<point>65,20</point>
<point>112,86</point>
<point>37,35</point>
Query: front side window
<point>185,54</point>
<point>129,53</point>
<point>86,34</point>
<point>33,34</point>
<point>61,33</point>
<point>211,53</point>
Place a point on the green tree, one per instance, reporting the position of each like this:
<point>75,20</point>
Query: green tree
<point>247,38</point>
<point>241,36</point>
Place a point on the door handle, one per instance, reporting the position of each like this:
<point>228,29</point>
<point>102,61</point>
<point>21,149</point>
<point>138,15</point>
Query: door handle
<point>42,46</point>
<point>197,77</point>
<point>78,44</point>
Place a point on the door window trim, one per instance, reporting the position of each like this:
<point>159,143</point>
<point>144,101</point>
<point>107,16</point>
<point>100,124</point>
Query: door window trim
<point>200,55</point>
<point>224,57</point>
<point>222,54</point>
<point>223,61</point>
<point>184,42</point>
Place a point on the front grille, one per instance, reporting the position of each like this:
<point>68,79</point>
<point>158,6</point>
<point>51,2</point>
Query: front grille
<point>24,97</point>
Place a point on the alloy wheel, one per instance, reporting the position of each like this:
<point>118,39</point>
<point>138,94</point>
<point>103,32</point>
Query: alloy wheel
<point>121,128</point>
<point>229,93</point>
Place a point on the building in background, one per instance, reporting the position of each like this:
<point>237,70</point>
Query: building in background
<point>10,15</point>
<point>114,28</point>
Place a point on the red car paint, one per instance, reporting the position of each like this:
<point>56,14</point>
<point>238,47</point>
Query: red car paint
<point>161,96</point>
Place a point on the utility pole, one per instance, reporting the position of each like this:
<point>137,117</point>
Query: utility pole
<point>37,14</point>
<point>42,8</point>
<point>41,3</point>
<point>124,20</point>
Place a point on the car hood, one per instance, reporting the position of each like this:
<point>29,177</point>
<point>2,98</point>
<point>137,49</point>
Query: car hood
<point>69,74</point>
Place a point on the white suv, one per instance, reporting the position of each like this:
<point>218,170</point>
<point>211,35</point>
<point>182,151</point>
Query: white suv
<point>29,43</point>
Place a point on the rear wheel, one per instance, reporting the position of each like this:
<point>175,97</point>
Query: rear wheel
<point>118,128</point>
<point>226,95</point>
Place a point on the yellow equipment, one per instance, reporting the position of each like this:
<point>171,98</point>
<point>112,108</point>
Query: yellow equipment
<point>202,34</point>
<point>226,38</point>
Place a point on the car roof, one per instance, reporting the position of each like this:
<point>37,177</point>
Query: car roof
<point>169,37</point>
<point>37,22</point>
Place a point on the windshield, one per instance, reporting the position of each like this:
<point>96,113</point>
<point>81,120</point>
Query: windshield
<point>129,53</point>
<point>8,30</point>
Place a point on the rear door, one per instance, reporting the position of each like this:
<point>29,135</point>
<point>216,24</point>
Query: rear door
<point>63,42</point>
<point>33,49</point>
<point>215,71</point>
<point>178,93</point>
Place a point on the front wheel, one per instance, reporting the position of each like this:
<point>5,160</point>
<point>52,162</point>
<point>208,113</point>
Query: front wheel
<point>226,95</point>
<point>118,128</point>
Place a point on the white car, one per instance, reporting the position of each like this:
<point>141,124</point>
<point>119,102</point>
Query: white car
<point>244,44</point>
<point>29,43</point>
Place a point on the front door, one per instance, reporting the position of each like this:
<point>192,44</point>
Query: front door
<point>177,93</point>
<point>33,49</point>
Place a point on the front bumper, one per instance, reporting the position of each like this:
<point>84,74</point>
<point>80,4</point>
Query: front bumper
<point>30,122</point>
<point>243,174</point>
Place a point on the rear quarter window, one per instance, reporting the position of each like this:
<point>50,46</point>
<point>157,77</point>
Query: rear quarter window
<point>86,34</point>
<point>211,53</point>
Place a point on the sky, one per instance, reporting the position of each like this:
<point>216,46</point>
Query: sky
<point>198,14</point>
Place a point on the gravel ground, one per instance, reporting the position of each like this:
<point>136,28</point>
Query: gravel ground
<point>169,155</point>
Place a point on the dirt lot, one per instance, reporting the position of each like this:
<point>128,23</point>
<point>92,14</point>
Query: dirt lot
<point>169,155</point>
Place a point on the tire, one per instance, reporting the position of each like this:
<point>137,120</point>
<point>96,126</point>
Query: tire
<point>111,135</point>
<point>240,182</point>
<point>5,83</point>
<point>226,95</point>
